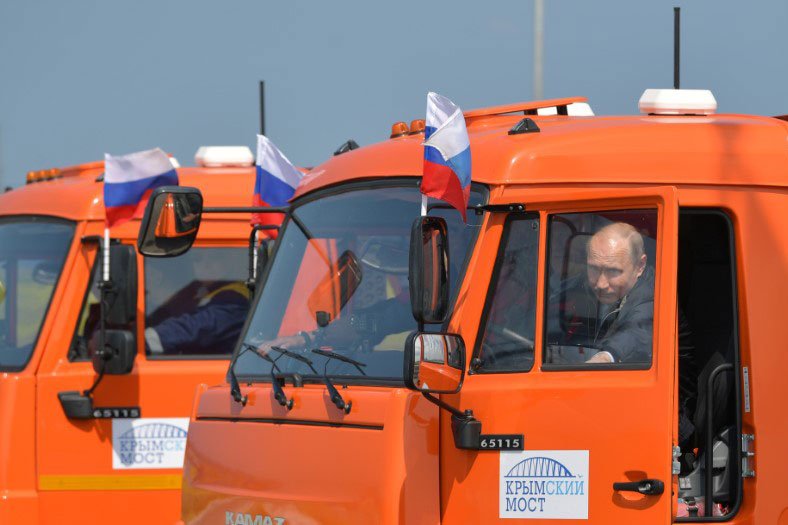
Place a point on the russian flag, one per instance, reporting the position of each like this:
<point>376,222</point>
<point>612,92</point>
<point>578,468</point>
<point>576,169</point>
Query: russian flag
<point>275,184</point>
<point>447,154</point>
<point>130,179</point>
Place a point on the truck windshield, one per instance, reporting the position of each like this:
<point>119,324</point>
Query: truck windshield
<point>339,282</point>
<point>32,253</point>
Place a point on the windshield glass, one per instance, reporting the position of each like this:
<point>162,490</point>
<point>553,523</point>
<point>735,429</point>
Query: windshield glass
<point>339,282</point>
<point>32,253</point>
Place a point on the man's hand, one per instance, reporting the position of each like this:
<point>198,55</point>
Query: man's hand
<point>288,343</point>
<point>601,357</point>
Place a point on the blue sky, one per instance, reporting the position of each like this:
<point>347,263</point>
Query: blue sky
<point>86,77</point>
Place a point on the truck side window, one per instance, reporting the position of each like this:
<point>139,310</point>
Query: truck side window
<point>507,341</point>
<point>600,289</point>
<point>195,304</point>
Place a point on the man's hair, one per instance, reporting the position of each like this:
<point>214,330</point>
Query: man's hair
<point>627,232</point>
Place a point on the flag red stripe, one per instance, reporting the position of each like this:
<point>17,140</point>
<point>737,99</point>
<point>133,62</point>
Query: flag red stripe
<point>442,183</point>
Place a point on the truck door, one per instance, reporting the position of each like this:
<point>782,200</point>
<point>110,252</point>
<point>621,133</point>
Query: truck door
<point>575,352</point>
<point>126,466</point>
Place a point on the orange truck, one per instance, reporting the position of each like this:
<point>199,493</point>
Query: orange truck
<point>115,455</point>
<point>598,343</point>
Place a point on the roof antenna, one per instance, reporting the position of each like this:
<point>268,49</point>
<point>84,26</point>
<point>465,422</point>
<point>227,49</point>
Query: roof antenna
<point>676,46</point>
<point>262,107</point>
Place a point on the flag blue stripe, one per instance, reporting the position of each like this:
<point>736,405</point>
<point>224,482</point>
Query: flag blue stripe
<point>429,130</point>
<point>461,165</point>
<point>433,155</point>
<point>129,193</point>
<point>271,189</point>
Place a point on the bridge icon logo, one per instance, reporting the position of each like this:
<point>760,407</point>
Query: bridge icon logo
<point>154,431</point>
<point>149,443</point>
<point>544,484</point>
<point>539,467</point>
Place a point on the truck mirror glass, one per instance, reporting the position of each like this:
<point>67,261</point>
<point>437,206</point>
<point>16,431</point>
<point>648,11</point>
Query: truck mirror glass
<point>428,271</point>
<point>434,363</point>
<point>171,221</point>
<point>117,356</point>
<point>336,288</point>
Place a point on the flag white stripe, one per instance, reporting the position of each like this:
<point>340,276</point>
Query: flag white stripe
<point>276,163</point>
<point>136,166</point>
<point>439,109</point>
<point>451,138</point>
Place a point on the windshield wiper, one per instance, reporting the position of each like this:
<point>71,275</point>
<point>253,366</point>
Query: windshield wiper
<point>279,394</point>
<point>334,394</point>
<point>296,356</point>
<point>340,357</point>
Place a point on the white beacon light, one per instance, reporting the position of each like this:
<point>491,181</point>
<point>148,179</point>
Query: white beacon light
<point>223,156</point>
<point>677,102</point>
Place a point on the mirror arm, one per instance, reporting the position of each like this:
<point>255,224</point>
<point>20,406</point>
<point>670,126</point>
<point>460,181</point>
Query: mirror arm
<point>499,208</point>
<point>89,391</point>
<point>445,406</point>
<point>466,429</point>
<point>246,209</point>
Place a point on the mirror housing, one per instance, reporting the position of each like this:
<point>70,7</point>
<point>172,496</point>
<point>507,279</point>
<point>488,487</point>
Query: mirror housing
<point>117,356</point>
<point>434,362</point>
<point>121,295</point>
<point>171,221</point>
<point>428,269</point>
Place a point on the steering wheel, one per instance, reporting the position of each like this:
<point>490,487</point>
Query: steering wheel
<point>512,346</point>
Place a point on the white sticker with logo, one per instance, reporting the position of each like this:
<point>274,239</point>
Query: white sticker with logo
<point>544,484</point>
<point>149,442</point>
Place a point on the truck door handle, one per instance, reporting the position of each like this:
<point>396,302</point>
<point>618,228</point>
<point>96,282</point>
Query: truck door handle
<point>649,487</point>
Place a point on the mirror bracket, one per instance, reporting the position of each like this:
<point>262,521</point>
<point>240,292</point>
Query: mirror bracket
<point>465,428</point>
<point>467,431</point>
<point>515,207</point>
<point>76,405</point>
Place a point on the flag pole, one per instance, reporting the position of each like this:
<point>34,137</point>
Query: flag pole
<point>424,205</point>
<point>105,274</point>
<point>254,256</point>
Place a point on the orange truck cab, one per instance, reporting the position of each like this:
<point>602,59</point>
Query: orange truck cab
<point>600,342</point>
<point>67,457</point>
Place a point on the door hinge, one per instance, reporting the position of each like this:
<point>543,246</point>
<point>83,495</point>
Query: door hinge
<point>676,462</point>
<point>747,455</point>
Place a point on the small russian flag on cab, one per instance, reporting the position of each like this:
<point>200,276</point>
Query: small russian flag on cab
<point>130,179</point>
<point>447,153</point>
<point>276,181</point>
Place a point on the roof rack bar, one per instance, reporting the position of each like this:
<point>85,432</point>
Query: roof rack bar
<point>528,108</point>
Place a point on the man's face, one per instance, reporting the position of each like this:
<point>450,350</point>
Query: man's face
<point>611,271</point>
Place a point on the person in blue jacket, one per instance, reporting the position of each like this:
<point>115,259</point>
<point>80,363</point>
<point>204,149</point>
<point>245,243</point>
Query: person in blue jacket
<point>211,328</point>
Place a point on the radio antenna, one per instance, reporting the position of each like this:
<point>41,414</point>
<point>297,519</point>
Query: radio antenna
<point>676,47</point>
<point>262,107</point>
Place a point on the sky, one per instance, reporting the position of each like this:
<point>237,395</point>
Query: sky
<point>85,77</point>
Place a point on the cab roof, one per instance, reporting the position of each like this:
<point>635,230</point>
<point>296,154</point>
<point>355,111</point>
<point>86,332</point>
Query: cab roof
<point>644,149</point>
<point>78,193</point>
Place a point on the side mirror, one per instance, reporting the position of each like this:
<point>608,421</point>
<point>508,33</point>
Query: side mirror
<point>171,221</point>
<point>117,356</point>
<point>434,363</point>
<point>428,270</point>
<point>122,295</point>
<point>336,288</point>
